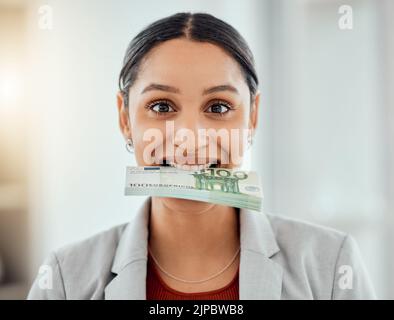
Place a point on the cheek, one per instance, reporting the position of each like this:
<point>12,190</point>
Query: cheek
<point>238,132</point>
<point>234,131</point>
<point>141,127</point>
<point>238,121</point>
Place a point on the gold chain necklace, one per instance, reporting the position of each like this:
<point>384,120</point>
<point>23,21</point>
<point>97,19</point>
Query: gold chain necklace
<point>194,281</point>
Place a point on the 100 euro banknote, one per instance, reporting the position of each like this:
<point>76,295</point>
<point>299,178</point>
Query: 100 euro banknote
<point>230,187</point>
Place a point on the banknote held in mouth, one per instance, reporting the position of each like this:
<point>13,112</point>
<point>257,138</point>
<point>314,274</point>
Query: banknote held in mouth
<point>231,187</point>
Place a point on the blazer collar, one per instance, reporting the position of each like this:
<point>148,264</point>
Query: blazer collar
<point>259,276</point>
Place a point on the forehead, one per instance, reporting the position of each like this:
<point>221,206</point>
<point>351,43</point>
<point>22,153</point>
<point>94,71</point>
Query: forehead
<point>184,62</point>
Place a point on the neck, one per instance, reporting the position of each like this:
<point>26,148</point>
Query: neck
<point>178,236</point>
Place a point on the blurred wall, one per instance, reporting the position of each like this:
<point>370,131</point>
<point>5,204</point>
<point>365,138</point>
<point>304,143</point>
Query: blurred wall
<point>13,153</point>
<point>325,154</point>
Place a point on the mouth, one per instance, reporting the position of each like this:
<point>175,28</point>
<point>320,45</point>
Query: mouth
<point>191,167</point>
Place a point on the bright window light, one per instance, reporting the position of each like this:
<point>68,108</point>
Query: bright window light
<point>10,87</point>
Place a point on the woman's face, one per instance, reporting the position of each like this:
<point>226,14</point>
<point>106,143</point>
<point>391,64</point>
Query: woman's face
<point>182,88</point>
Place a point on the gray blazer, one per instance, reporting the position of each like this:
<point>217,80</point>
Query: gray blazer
<point>280,258</point>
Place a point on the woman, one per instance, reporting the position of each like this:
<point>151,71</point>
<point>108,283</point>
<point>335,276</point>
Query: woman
<point>198,72</point>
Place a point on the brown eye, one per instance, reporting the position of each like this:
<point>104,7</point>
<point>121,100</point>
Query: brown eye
<point>219,108</point>
<point>161,107</point>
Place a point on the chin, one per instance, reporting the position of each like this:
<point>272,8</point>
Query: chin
<point>185,205</point>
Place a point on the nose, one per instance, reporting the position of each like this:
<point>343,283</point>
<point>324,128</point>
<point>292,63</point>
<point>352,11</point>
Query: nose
<point>187,123</point>
<point>188,132</point>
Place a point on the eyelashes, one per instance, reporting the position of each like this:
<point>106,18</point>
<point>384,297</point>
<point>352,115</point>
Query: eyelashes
<point>163,107</point>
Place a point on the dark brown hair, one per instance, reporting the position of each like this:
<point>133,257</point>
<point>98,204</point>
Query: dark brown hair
<point>194,26</point>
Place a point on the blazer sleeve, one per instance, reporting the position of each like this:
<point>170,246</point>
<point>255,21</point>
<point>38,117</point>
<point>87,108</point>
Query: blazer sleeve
<point>351,280</point>
<point>48,284</point>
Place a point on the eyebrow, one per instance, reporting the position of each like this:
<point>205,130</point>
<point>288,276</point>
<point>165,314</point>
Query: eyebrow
<point>162,87</point>
<point>224,87</point>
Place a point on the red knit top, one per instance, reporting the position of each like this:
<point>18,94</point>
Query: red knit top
<point>157,289</point>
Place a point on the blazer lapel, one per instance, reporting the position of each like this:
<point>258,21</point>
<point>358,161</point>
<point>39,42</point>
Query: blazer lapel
<point>129,283</point>
<point>129,266</point>
<point>259,276</point>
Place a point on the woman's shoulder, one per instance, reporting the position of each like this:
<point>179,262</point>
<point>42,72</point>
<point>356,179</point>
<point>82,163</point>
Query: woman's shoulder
<point>327,261</point>
<point>300,231</point>
<point>300,239</point>
<point>86,262</point>
<point>100,246</point>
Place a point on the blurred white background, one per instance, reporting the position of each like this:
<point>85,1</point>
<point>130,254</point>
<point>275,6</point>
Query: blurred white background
<point>325,139</point>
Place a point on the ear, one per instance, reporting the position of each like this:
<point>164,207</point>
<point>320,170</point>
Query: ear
<point>124,121</point>
<point>254,113</point>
